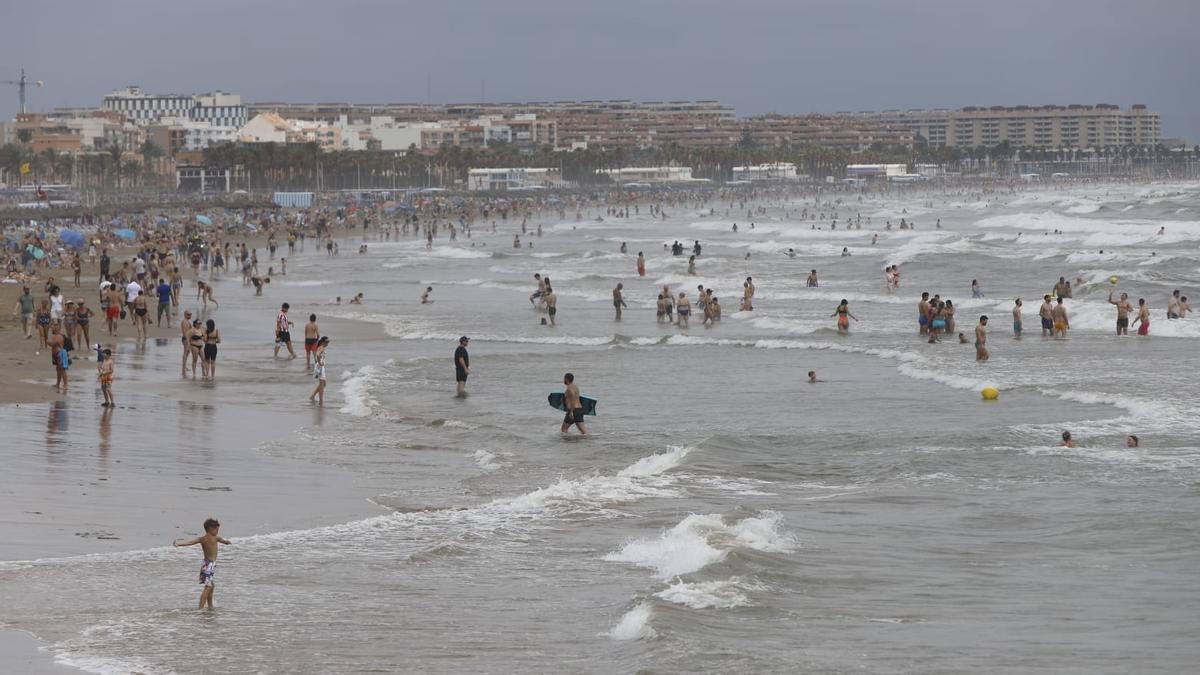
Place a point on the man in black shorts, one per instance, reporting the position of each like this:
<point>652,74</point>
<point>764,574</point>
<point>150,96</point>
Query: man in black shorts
<point>573,405</point>
<point>283,332</point>
<point>462,365</point>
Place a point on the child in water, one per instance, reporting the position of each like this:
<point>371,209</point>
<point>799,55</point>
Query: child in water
<point>208,569</point>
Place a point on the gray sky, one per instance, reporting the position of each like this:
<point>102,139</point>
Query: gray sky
<point>757,55</point>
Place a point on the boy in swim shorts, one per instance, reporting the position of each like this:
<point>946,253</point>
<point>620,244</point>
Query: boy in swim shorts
<point>208,569</point>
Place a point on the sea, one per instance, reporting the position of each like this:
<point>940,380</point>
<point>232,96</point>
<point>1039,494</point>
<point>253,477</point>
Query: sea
<point>724,515</point>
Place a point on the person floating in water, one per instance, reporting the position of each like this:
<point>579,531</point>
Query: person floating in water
<point>208,569</point>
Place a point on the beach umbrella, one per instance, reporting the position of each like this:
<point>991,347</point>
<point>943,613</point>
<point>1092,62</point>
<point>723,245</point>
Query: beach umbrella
<point>71,238</point>
<point>125,234</point>
<point>163,220</point>
<point>252,227</point>
<point>204,220</point>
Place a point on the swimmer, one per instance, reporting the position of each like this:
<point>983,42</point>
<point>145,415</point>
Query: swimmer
<point>812,377</point>
<point>791,253</point>
<point>811,281</point>
<point>425,296</point>
<point>962,338</point>
<point>357,299</point>
<point>1132,441</point>
<point>1067,441</point>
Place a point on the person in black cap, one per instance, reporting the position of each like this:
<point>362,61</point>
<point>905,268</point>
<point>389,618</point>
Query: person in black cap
<point>462,365</point>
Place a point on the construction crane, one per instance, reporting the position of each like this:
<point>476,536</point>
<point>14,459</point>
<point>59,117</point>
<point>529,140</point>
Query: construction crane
<point>21,84</point>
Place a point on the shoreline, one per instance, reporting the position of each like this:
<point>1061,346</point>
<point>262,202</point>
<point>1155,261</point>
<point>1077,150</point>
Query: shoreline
<point>25,653</point>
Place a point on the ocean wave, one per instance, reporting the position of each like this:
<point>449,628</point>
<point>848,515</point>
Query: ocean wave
<point>634,625</point>
<point>356,390</point>
<point>724,594</point>
<point>701,540</point>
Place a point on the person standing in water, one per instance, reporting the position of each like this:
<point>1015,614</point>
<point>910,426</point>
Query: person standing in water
<point>551,301</point>
<point>208,569</point>
<point>1018,326</point>
<point>1046,314</point>
<point>618,300</point>
<point>318,393</point>
<point>1143,317</point>
<point>641,264</point>
<point>843,317</point>
<point>981,351</point>
<point>683,309</point>
<point>1123,309</point>
<point>574,406</point>
<point>283,332</point>
<point>1061,322</point>
<point>462,366</point>
<point>311,332</point>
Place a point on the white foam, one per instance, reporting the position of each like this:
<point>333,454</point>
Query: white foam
<point>725,594</point>
<point>701,540</point>
<point>356,390</point>
<point>634,625</point>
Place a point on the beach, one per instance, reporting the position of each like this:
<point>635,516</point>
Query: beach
<point>724,515</point>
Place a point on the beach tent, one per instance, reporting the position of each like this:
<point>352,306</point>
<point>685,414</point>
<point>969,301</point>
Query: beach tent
<point>125,234</point>
<point>204,220</point>
<point>71,238</point>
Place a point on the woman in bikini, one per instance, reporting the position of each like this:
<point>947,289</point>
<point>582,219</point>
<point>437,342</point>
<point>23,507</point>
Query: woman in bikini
<point>212,337</point>
<point>139,314</point>
<point>843,317</point>
<point>43,322</point>
<point>83,317</point>
<point>196,345</point>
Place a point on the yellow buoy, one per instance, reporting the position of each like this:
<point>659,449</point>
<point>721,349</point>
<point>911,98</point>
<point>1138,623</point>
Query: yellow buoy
<point>990,393</point>
<point>1113,280</point>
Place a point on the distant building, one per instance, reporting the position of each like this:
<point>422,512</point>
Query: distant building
<point>512,179</point>
<point>875,170</point>
<point>1048,126</point>
<point>778,171</point>
<point>217,108</point>
<point>175,135</point>
<point>649,174</point>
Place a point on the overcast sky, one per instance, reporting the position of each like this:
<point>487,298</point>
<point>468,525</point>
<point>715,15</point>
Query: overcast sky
<point>756,55</point>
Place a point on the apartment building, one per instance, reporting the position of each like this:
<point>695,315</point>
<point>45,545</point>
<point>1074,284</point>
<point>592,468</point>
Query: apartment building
<point>1049,126</point>
<point>217,108</point>
<point>79,131</point>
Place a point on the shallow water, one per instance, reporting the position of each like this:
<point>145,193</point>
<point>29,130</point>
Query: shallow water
<point>726,515</point>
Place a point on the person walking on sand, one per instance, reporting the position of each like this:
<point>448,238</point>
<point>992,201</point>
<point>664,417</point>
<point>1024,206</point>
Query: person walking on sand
<point>283,332</point>
<point>618,300</point>
<point>208,569</point>
<point>24,305</point>
<point>104,373</point>
<point>574,406</point>
<point>319,371</point>
<point>462,366</point>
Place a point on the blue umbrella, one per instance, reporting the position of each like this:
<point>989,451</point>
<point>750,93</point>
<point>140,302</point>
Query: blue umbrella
<point>204,220</point>
<point>125,234</point>
<point>71,238</point>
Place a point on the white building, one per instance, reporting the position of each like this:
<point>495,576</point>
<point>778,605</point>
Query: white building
<point>220,109</point>
<point>512,179</point>
<point>649,174</point>
<point>767,172</point>
<point>875,170</point>
<point>266,127</point>
<point>217,108</point>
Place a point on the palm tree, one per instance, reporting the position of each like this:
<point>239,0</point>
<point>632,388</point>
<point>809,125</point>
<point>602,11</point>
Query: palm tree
<point>115,152</point>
